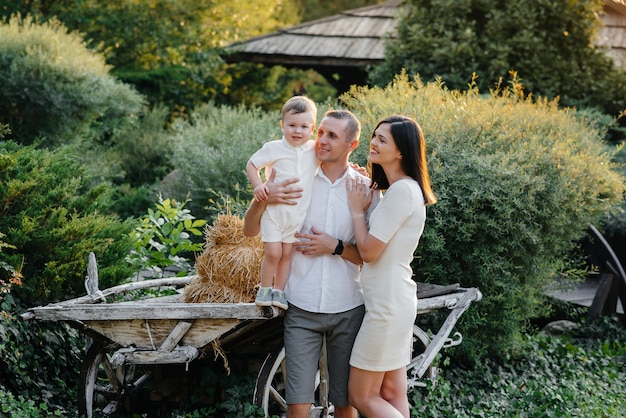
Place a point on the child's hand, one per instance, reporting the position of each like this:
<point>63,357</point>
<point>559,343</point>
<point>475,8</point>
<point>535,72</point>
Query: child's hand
<point>261,193</point>
<point>359,169</point>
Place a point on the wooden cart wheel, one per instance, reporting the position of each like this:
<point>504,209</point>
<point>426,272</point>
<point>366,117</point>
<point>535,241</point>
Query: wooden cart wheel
<point>421,341</point>
<point>101,387</point>
<point>269,392</point>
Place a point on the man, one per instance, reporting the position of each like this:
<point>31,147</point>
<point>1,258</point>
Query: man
<point>323,289</point>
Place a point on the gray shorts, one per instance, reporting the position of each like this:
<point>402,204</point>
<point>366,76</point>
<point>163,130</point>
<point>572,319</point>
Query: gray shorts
<point>304,332</point>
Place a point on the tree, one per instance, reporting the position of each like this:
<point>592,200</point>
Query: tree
<point>317,9</point>
<point>546,44</point>
<point>53,87</point>
<point>168,49</point>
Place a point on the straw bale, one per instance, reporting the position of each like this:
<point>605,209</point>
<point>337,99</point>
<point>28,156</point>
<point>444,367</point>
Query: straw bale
<point>229,266</point>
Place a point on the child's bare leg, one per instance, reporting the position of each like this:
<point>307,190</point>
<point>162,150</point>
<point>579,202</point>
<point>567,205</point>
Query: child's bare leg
<point>269,268</point>
<point>284,266</point>
<point>282,273</point>
<point>271,259</point>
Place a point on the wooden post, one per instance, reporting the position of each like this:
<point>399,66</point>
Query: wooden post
<point>91,281</point>
<point>605,299</point>
<point>91,286</point>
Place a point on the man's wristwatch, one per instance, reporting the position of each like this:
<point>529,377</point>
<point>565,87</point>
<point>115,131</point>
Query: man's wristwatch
<point>338,248</point>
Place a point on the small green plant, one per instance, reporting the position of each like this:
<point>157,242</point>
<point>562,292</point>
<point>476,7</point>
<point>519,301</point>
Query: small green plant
<point>15,277</point>
<point>163,238</point>
<point>234,393</point>
<point>18,407</point>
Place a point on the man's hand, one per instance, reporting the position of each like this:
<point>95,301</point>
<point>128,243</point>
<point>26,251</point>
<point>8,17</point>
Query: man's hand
<point>320,243</point>
<point>279,193</point>
<point>283,192</point>
<point>315,243</point>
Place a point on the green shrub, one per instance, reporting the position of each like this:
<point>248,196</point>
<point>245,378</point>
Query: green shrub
<point>211,151</point>
<point>518,182</point>
<point>53,86</point>
<point>39,365</point>
<point>170,50</point>
<point>53,217</point>
<point>136,155</point>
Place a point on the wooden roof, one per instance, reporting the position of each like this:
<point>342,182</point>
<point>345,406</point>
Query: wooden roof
<point>346,43</point>
<point>613,33</point>
<point>352,38</point>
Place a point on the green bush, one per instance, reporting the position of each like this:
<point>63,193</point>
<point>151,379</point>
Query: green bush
<point>53,217</point>
<point>211,151</point>
<point>518,182</point>
<point>136,155</point>
<point>169,50</point>
<point>54,87</point>
<point>39,365</point>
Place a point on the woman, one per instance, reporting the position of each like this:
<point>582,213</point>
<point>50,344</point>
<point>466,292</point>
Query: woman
<point>397,159</point>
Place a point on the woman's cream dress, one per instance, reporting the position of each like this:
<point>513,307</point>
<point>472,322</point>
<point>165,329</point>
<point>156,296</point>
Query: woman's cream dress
<point>385,339</point>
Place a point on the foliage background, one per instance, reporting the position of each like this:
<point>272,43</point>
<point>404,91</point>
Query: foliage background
<point>544,44</point>
<point>54,88</point>
<point>169,50</point>
<point>518,182</point>
<point>54,219</point>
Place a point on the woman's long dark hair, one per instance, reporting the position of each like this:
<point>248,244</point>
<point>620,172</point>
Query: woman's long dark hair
<point>409,138</point>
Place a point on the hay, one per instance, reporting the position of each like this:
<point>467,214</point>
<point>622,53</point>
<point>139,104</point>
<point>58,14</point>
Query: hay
<point>229,266</point>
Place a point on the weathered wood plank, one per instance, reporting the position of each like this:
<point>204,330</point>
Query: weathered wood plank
<point>605,299</point>
<point>91,281</point>
<point>428,290</point>
<point>127,287</point>
<point>427,305</point>
<point>180,311</point>
<point>421,363</point>
<point>149,334</point>
<point>140,310</point>
<point>179,355</point>
<point>175,336</point>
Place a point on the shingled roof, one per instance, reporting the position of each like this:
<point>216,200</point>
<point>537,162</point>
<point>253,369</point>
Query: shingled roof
<point>346,43</point>
<point>613,33</point>
<point>342,44</point>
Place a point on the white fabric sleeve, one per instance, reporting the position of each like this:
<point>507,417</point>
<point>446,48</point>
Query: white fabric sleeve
<point>393,210</point>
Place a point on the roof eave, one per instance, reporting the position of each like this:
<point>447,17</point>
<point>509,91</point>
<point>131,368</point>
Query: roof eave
<point>299,61</point>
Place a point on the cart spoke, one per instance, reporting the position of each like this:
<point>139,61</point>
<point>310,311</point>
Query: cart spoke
<point>105,391</point>
<point>142,380</point>
<point>110,408</point>
<point>111,374</point>
<point>276,396</point>
<point>269,392</point>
